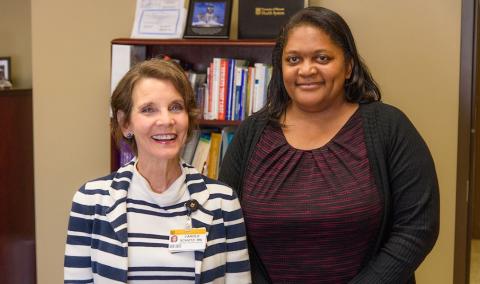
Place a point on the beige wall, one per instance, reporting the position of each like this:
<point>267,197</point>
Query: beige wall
<point>15,40</point>
<point>71,58</point>
<point>413,51</point>
<point>412,48</point>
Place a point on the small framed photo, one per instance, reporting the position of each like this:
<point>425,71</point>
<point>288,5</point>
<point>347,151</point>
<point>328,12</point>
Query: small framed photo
<point>5,69</point>
<point>208,19</point>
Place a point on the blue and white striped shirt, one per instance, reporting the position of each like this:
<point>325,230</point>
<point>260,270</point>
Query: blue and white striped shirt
<point>98,241</point>
<point>150,217</point>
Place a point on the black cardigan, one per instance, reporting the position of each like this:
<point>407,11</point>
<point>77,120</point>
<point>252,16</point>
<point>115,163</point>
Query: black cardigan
<point>405,176</point>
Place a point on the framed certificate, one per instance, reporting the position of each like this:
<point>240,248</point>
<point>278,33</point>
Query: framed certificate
<point>208,19</point>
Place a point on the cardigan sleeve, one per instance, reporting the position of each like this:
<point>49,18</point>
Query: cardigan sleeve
<point>233,164</point>
<point>413,210</point>
<point>78,262</point>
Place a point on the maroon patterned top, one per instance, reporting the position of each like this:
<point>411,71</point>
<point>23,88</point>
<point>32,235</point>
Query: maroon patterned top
<point>312,215</point>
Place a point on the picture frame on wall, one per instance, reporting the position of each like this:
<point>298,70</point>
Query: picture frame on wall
<point>5,68</point>
<point>208,19</point>
<point>5,73</point>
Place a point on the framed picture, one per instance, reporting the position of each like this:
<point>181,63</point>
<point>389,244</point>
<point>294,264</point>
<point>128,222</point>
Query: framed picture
<point>5,69</point>
<point>208,19</point>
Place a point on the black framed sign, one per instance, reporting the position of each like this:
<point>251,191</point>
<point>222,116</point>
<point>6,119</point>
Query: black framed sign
<point>208,19</point>
<point>269,15</point>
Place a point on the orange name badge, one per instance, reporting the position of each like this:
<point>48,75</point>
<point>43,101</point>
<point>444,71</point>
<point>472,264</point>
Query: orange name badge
<point>187,239</point>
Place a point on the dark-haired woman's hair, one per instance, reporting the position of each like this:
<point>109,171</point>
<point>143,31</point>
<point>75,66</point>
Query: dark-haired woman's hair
<point>165,70</point>
<point>359,88</point>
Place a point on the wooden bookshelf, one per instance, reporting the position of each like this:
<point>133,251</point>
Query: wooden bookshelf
<point>197,55</point>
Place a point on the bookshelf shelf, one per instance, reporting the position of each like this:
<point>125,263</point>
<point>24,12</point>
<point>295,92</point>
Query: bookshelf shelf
<point>194,42</point>
<point>218,123</point>
<point>197,54</point>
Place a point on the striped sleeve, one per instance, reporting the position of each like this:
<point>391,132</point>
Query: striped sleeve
<point>238,264</point>
<point>78,263</point>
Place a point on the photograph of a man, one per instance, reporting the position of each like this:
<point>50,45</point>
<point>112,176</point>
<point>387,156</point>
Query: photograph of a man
<point>208,14</point>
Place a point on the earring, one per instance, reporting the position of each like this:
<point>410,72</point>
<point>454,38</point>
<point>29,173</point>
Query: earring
<point>129,135</point>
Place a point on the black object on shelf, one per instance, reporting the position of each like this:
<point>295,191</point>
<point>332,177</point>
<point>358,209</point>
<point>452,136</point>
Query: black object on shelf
<point>263,19</point>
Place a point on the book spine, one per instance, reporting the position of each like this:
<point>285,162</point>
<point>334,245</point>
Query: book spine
<point>251,90</point>
<point>200,157</point>
<point>243,101</point>
<point>260,73</point>
<point>189,148</point>
<point>125,153</point>
<point>215,87</point>
<point>200,98</point>
<point>227,135</point>
<point>222,89</point>
<point>238,93</point>
<point>231,88</point>
<point>214,155</point>
<point>208,93</point>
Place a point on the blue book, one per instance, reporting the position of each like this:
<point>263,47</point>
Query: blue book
<point>125,153</point>
<point>240,92</point>
<point>231,88</point>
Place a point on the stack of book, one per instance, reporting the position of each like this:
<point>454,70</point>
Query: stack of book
<point>232,90</point>
<point>206,149</point>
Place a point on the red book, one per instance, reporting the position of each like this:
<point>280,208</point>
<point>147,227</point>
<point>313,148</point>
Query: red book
<point>223,89</point>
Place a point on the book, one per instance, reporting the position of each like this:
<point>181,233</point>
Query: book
<point>200,157</point>
<point>208,99</point>
<point>198,81</point>
<point>259,86</point>
<point>240,82</point>
<point>215,94</point>
<point>223,89</point>
<point>125,153</point>
<point>189,148</point>
<point>213,163</point>
<point>232,85</point>
<point>270,15</point>
<point>242,100</point>
<point>250,90</point>
<point>200,93</point>
<point>227,136</point>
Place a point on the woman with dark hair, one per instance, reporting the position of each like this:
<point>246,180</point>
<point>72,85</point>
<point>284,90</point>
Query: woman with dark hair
<point>156,219</point>
<point>336,187</point>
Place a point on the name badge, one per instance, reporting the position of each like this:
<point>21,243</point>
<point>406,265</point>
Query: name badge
<point>187,239</point>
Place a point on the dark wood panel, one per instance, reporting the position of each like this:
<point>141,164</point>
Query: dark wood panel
<point>465,146</point>
<point>17,215</point>
<point>475,195</point>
